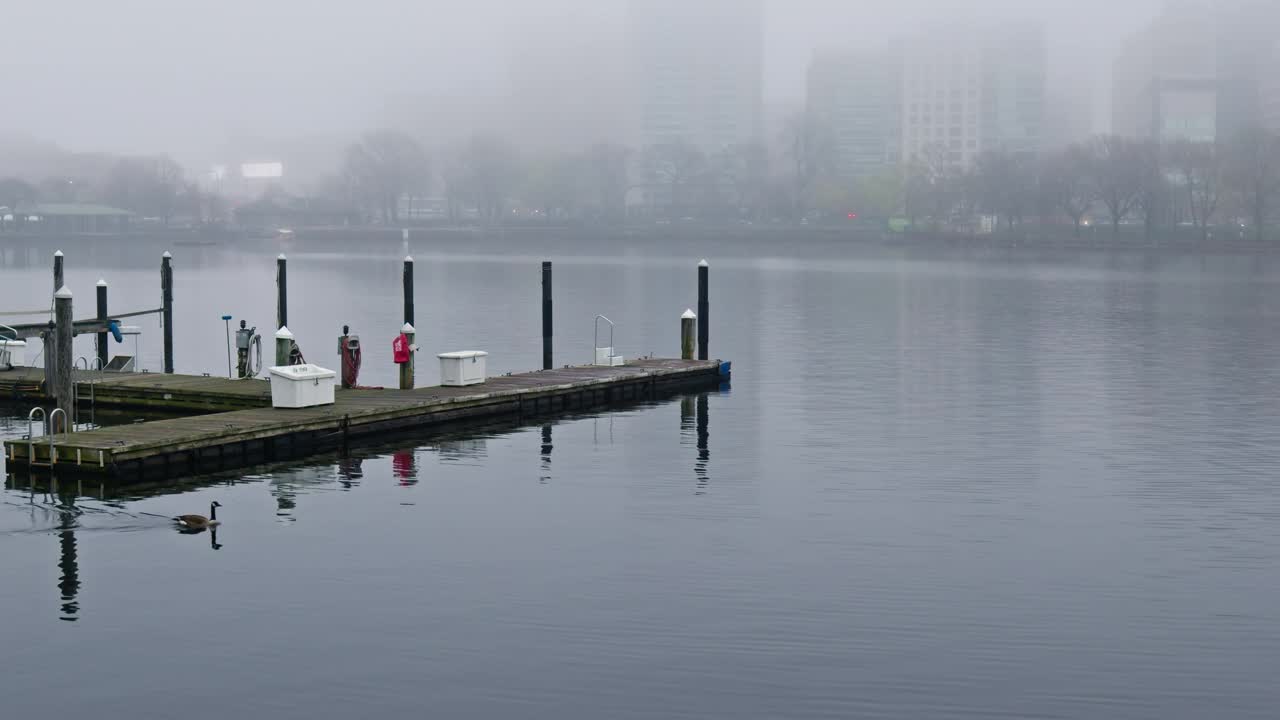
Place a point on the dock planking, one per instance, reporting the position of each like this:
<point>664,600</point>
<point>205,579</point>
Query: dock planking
<point>144,391</point>
<point>237,438</point>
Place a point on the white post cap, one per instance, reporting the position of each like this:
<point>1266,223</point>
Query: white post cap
<point>689,315</point>
<point>64,293</point>
<point>407,329</point>
<point>167,254</point>
<point>57,253</point>
<point>408,258</point>
<point>704,263</point>
<point>284,334</point>
<point>281,257</point>
<point>102,282</point>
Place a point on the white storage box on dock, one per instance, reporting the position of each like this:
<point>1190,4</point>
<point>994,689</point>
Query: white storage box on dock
<point>459,369</point>
<point>299,386</point>
<point>13,352</point>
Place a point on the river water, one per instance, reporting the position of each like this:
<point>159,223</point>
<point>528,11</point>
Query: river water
<point>943,484</point>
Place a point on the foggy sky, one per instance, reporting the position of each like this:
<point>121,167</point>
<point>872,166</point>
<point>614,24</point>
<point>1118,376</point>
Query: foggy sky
<point>159,75</point>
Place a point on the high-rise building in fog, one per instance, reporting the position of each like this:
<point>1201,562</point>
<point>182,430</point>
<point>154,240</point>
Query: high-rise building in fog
<point>855,95</point>
<point>1248,66</point>
<point>697,71</point>
<point>966,90</point>
<point>1165,83</point>
<point>563,88</point>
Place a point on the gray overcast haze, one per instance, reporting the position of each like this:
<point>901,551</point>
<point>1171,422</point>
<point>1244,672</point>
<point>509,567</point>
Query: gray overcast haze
<point>158,75</point>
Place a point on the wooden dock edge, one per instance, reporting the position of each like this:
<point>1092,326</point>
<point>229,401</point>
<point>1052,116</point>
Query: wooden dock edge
<point>236,448</point>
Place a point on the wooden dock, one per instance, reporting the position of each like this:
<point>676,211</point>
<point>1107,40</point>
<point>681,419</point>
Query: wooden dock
<point>254,432</point>
<point>142,391</point>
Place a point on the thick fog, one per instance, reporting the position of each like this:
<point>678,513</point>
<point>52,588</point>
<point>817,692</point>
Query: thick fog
<point>142,76</point>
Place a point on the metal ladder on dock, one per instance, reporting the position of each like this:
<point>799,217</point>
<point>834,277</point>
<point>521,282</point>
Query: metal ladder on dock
<point>95,366</point>
<point>47,429</point>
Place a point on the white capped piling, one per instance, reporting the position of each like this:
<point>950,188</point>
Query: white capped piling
<point>406,368</point>
<point>284,344</point>
<point>688,331</point>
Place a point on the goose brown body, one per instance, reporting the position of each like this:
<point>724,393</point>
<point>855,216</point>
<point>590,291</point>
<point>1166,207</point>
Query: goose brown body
<point>200,521</point>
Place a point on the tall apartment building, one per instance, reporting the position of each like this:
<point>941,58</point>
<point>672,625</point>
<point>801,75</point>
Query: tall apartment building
<point>1165,83</point>
<point>855,95</point>
<point>696,72</point>
<point>1248,46</point>
<point>966,90</point>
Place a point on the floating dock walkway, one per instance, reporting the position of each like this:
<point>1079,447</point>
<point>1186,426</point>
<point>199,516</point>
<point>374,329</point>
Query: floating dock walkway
<point>254,432</point>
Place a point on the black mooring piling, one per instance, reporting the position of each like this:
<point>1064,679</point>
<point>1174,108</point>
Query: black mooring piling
<point>547,358</point>
<point>408,291</point>
<point>282,292</point>
<point>704,311</point>
<point>166,308</point>
<point>102,318</point>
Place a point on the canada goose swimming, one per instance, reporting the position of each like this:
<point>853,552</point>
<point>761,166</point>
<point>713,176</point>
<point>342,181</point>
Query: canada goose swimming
<point>200,522</point>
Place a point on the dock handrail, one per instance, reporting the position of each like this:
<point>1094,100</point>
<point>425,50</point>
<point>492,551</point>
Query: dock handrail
<point>89,367</point>
<point>597,331</point>
<point>31,436</point>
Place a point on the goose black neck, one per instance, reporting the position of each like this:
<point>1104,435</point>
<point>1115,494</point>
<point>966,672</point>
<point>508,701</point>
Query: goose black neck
<point>213,512</point>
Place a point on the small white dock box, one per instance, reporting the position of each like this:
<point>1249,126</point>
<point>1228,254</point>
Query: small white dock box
<point>299,386</point>
<point>459,369</point>
<point>12,353</point>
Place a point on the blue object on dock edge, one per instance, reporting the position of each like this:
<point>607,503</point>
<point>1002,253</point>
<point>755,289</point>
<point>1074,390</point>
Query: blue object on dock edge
<point>726,368</point>
<point>114,327</point>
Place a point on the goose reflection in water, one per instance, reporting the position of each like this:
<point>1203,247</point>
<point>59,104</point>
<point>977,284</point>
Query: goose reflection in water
<point>213,535</point>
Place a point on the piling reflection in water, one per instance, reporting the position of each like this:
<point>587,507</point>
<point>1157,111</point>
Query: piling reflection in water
<point>545,454</point>
<point>350,472</point>
<point>68,565</point>
<point>694,429</point>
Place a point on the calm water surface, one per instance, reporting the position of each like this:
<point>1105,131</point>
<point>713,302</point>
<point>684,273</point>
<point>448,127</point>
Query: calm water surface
<point>942,485</point>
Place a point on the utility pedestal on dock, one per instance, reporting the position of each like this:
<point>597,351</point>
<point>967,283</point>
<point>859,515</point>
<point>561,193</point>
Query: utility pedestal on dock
<point>406,367</point>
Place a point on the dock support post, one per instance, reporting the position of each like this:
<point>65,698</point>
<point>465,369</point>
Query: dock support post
<point>704,310</point>
<point>282,292</point>
<point>64,393</point>
<point>49,338</point>
<point>284,344</point>
<point>688,329</point>
<point>406,368</point>
<point>166,305</point>
<point>547,359</point>
<point>102,318</point>
<point>58,281</point>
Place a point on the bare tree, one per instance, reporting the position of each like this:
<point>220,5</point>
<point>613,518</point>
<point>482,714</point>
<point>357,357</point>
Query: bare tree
<point>1117,173</point>
<point>1068,185</point>
<point>146,185</point>
<point>1005,185</point>
<point>491,169</point>
<point>674,167</point>
<point>1252,171</point>
<point>383,167</point>
<point>1197,168</point>
<point>606,169</point>
<point>811,144</point>
<point>932,186</point>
